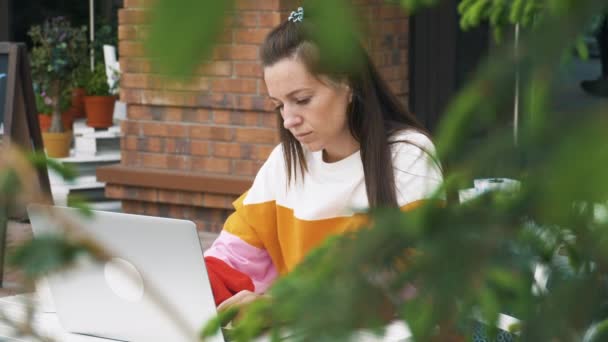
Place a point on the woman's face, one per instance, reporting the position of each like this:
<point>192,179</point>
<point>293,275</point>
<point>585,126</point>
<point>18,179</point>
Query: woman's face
<point>313,111</point>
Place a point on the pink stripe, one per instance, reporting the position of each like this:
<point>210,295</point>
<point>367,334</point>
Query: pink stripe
<point>238,254</point>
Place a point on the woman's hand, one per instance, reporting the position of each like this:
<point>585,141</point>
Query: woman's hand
<point>239,300</point>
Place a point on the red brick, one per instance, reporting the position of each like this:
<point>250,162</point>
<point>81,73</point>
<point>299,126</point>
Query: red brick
<point>215,201</point>
<point>200,147</point>
<point>193,198</point>
<point>133,16</point>
<point>178,146</point>
<point>225,37</point>
<point>247,167</point>
<point>270,19</point>
<point>176,211</point>
<point>250,36</point>
<point>153,129</point>
<point>154,81</point>
<point>255,135</point>
<point>114,191</point>
<point>138,3</point>
<point>174,114</point>
<point>196,115</point>
<point>143,32</point>
<point>179,162</point>
<point>177,130</point>
<point>236,52</point>
<point>218,100</point>
<point>227,150</point>
<point>248,69</point>
<point>137,112</point>
<point>164,129</point>
<point>131,49</point>
<point>171,98</point>
<point>128,142</point>
<point>138,81</point>
<point>130,127</point>
<point>130,95</point>
<point>151,209</point>
<point>225,85</point>
<point>127,32</point>
<point>134,65</point>
<point>129,158</point>
<point>211,165</point>
<point>216,68</point>
<point>131,207</point>
<point>141,194</point>
<point>253,102</point>
<point>261,152</point>
<point>245,19</point>
<point>211,133</point>
<point>169,196</point>
<point>154,160</point>
<point>152,144</point>
<point>257,5</point>
<point>250,119</point>
<point>221,117</point>
<point>271,120</point>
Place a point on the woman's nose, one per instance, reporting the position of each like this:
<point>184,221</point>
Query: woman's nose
<point>290,119</point>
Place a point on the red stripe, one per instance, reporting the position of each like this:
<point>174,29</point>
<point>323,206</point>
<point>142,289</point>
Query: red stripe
<point>225,280</point>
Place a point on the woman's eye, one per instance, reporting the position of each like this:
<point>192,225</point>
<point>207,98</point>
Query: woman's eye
<point>278,108</point>
<point>303,101</point>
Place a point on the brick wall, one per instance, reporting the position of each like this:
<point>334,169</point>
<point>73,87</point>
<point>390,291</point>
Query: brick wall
<point>220,123</point>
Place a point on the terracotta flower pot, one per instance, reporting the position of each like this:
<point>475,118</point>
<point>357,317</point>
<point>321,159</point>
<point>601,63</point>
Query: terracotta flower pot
<point>100,110</point>
<point>78,95</point>
<point>57,145</point>
<point>45,121</point>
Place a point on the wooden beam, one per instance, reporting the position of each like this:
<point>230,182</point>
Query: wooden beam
<point>173,180</point>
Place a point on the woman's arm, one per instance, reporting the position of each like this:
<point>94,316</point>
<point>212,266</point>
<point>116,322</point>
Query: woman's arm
<point>238,260</point>
<point>234,265</point>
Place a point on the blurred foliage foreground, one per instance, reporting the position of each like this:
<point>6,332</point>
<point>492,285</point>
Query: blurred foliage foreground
<point>468,262</point>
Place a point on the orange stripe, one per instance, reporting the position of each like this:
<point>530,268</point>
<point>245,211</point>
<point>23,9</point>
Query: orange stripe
<point>286,238</point>
<point>413,205</point>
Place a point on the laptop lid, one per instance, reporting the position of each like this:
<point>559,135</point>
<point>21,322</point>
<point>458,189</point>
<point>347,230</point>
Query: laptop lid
<point>156,260</point>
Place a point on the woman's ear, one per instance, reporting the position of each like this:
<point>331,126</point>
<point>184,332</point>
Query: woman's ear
<point>349,92</point>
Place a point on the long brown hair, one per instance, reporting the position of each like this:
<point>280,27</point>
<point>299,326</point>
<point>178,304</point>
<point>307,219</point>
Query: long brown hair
<point>374,114</point>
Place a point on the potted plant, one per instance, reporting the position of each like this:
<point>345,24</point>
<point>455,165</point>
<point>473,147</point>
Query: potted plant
<point>54,56</point>
<point>45,109</point>
<point>79,78</point>
<point>100,99</point>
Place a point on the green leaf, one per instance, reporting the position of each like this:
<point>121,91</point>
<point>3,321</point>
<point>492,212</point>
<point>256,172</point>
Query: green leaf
<point>581,48</point>
<point>199,24</point>
<point>9,182</point>
<point>222,319</point>
<point>45,254</point>
<point>79,202</point>
<point>66,171</point>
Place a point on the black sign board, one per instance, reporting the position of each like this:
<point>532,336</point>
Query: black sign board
<point>18,112</point>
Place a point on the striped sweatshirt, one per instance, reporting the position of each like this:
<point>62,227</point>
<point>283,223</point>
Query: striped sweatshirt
<point>275,225</point>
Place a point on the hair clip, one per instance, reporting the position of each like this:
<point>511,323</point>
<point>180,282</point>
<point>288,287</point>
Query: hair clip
<point>297,15</point>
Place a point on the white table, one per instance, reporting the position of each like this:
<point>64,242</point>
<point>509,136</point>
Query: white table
<point>47,323</point>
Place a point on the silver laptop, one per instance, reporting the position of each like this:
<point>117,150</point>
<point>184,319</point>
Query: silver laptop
<point>153,258</point>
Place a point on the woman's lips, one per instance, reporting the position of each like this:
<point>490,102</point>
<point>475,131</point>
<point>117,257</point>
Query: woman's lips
<point>302,135</point>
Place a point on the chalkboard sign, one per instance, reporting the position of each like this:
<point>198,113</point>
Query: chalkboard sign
<point>18,109</point>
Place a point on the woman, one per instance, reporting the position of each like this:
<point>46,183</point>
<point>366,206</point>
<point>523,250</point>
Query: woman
<point>347,144</point>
